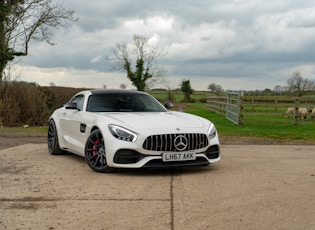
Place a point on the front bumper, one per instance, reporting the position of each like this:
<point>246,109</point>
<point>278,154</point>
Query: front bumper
<point>126,158</point>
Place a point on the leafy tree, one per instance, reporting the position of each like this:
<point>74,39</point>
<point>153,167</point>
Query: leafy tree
<point>145,56</point>
<point>22,21</point>
<point>214,88</point>
<point>267,91</point>
<point>299,85</point>
<point>186,89</point>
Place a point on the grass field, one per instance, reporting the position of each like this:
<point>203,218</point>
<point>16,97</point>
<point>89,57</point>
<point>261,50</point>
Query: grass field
<point>268,131</point>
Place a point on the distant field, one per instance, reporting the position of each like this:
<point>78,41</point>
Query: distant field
<point>269,131</point>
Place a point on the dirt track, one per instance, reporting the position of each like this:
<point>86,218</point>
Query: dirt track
<point>252,187</point>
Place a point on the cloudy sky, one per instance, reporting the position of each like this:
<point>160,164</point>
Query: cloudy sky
<point>238,44</point>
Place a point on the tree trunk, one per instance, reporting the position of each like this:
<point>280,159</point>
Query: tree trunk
<point>3,47</point>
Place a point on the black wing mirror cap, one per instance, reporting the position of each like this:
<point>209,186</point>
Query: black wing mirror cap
<point>168,105</point>
<point>72,105</point>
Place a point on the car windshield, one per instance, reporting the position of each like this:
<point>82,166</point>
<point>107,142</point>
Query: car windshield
<point>123,103</point>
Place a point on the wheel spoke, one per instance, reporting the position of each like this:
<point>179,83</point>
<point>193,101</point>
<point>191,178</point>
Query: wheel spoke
<point>50,132</point>
<point>91,156</point>
<point>93,142</point>
<point>51,140</point>
<point>98,138</point>
<point>102,160</point>
<point>96,161</point>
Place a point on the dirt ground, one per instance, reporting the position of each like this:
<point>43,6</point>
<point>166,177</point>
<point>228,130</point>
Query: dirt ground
<point>258,184</point>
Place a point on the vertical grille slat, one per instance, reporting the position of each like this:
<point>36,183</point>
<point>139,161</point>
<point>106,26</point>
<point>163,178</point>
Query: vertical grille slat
<point>156,143</point>
<point>165,142</point>
<point>189,138</point>
<point>172,141</point>
<point>194,141</point>
<point>151,141</point>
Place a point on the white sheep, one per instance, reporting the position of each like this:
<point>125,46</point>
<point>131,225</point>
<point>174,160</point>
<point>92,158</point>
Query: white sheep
<point>302,112</point>
<point>290,112</point>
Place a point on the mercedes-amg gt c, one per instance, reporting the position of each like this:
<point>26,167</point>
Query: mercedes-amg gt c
<point>130,129</point>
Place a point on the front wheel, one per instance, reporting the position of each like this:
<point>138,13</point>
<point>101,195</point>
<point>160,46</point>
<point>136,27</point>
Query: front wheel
<point>95,154</point>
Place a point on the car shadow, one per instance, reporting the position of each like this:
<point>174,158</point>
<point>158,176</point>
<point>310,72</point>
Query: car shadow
<point>164,171</point>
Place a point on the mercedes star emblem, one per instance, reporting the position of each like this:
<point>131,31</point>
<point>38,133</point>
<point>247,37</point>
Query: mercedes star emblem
<point>180,143</point>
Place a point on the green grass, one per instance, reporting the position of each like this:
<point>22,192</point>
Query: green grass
<point>42,129</point>
<point>225,127</point>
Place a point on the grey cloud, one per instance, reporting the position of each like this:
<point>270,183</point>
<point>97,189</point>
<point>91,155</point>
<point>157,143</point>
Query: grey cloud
<point>208,38</point>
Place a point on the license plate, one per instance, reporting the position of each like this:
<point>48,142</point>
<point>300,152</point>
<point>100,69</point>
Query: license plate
<point>179,156</point>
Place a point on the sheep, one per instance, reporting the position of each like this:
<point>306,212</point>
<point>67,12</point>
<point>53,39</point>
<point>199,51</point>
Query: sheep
<point>302,112</point>
<point>290,112</point>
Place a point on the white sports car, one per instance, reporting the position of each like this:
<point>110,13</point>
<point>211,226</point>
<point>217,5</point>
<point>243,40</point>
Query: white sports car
<point>130,129</point>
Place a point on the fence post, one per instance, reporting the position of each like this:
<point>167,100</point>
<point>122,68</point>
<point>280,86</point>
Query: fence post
<point>240,108</point>
<point>253,104</point>
<point>296,111</point>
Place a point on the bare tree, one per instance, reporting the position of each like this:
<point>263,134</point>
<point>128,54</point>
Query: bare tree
<point>214,88</point>
<point>299,85</point>
<point>278,89</point>
<point>22,21</point>
<point>144,57</point>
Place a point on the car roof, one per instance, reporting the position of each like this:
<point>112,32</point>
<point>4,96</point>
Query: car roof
<point>115,91</point>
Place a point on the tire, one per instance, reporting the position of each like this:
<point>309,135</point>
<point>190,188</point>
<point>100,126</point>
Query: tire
<point>52,140</point>
<point>95,154</point>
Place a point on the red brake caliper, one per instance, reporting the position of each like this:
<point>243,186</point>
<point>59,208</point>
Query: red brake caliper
<point>95,148</point>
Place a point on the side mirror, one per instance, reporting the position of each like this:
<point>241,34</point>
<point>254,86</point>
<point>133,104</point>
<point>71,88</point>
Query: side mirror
<point>168,105</point>
<point>71,105</point>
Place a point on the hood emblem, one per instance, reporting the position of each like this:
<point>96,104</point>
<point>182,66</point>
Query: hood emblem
<point>180,143</point>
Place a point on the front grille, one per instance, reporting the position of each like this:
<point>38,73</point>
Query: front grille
<point>166,142</point>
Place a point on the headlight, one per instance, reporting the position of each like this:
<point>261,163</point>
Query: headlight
<point>212,132</point>
<point>122,133</point>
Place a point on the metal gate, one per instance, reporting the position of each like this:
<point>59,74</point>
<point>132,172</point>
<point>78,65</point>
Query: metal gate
<point>233,107</point>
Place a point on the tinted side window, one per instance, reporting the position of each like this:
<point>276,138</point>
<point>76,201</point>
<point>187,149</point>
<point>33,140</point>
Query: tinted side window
<point>79,99</point>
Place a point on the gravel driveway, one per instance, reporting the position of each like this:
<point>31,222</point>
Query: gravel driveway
<point>252,187</point>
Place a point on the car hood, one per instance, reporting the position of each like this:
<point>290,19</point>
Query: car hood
<point>157,120</point>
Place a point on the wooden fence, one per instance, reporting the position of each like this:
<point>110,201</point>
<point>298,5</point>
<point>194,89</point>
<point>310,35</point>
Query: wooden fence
<point>264,109</point>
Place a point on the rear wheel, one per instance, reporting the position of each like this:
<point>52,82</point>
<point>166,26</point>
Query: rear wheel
<point>52,140</point>
<point>95,154</point>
